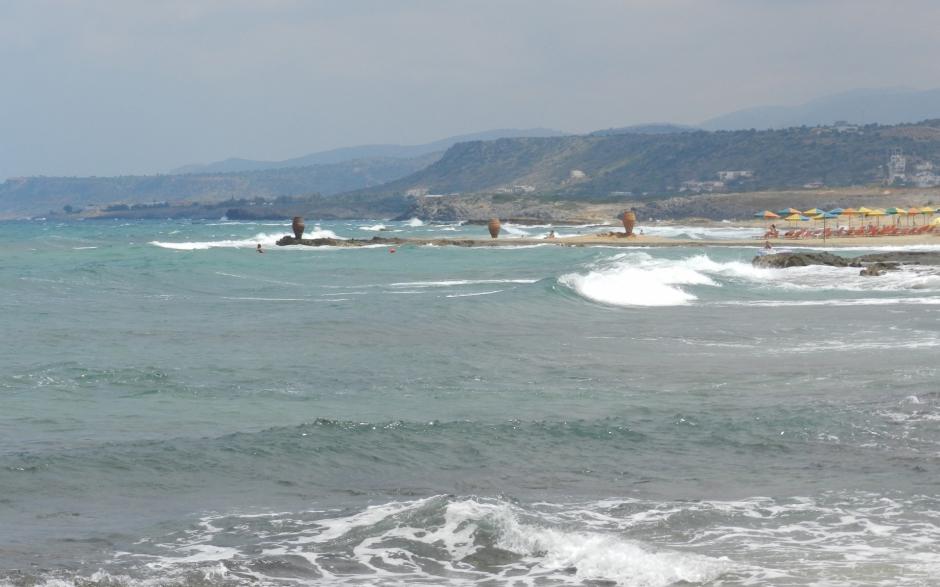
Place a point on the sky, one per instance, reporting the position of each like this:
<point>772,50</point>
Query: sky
<point>112,87</point>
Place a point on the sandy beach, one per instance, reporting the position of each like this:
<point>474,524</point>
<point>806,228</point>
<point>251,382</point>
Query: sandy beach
<point>654,241</point>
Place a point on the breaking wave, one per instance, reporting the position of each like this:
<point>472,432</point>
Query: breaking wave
<point>264,239</point>
<point>639,279</point>
<point>440,540</point>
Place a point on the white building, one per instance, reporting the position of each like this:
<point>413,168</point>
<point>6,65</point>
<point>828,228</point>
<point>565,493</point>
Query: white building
<point>702,186</point>
<point>733,175</point>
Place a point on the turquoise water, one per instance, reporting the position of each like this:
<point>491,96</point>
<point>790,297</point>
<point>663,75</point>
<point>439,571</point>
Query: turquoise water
<point>178,409</point>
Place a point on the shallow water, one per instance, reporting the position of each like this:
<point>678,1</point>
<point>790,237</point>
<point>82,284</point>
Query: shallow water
<point>175,408</point>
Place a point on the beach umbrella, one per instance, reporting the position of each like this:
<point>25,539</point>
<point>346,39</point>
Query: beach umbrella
<point>813,212</point>
<point>864,210</point>
<point>877,213</point>
<point>826,216</point>
<point>927,210</point>
<point>913,214</point>
<point>837,211</point>
<point>796,218</point>
<point>767,215</point>
<point>895,211</point>
<point>850,212</point>
<point>788,212</point>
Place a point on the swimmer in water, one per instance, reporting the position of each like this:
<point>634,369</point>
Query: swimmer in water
<point>259,248</point>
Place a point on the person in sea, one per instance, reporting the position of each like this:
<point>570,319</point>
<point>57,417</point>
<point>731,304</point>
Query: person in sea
<point>259,249</point>
<point>551,234</point>
<point>767,245</point>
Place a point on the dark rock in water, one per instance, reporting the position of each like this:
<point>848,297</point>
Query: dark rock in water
<point>783,260</point>
<point>876,269</point>
<point>872,265</point>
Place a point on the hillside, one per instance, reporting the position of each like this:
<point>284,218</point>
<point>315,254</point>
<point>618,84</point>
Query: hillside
<point>601,166</point>
<point>38,195</point>
<point>365,152</point>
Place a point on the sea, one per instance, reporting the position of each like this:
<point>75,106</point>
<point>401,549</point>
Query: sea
<point>177,409</point>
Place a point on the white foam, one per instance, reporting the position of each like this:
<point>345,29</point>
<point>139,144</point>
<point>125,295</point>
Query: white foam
<point>415,222</point>
<point>514,230</point>
<point>373,228</point>
<point>264,239</point>
<point>639,279</point>
<point>469,295</point>
<point>456,282</point>
<point>261,238</point>
<point>636,279</point>
<point>701,232</point>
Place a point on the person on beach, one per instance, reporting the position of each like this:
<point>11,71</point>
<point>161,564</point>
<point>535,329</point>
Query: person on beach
<point>551,234</point>
<point>259,248</point>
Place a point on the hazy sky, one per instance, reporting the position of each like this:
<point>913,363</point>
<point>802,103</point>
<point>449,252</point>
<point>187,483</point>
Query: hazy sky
<point>103,87</point>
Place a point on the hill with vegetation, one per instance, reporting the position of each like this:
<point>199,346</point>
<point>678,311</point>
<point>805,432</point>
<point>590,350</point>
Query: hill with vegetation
<point>33,196</point>
<point>657,165</point>
<point>363,152</point>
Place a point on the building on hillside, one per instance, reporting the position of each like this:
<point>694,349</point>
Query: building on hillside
<point>839,126</point>
<point>516,189</point>
<point>897,167</point>
<point>698,187</point>
<point>924,176</point>
<point>727,176</point>
<point>845,127</point>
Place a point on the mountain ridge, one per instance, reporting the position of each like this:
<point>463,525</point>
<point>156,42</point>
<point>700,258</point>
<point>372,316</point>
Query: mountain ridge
<point>343,154</point>
<point>859,106</point>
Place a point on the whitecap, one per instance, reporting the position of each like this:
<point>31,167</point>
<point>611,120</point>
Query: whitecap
<point>636,279</point>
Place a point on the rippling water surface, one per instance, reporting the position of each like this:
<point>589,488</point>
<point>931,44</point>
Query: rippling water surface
<point>178,409</point>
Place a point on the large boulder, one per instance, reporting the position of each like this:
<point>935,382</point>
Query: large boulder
<point>801,259</point>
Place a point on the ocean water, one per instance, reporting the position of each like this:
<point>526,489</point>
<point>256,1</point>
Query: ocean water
<point>176,409</point>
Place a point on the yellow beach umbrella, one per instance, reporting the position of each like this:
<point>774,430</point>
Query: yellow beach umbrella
<point>813,212</point>
<point>796,218</point>
<point>877,213</point>
<point>864,210</point>
<point>767,215</point>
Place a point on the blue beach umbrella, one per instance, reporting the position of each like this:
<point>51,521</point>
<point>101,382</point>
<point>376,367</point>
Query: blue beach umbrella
<point>825,216</point>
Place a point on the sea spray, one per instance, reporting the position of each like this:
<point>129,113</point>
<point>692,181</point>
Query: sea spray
<point>636,279</point>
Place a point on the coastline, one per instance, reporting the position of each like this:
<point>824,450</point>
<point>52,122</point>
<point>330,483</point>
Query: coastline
<point>642,241</point>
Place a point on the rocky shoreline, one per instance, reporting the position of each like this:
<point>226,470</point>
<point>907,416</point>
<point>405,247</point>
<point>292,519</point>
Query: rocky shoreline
<point>872,265</point>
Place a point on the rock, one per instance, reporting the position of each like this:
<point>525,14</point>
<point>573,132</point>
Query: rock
<point>872,265</point>
<point>783,260</point>
<point>876,269</point>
